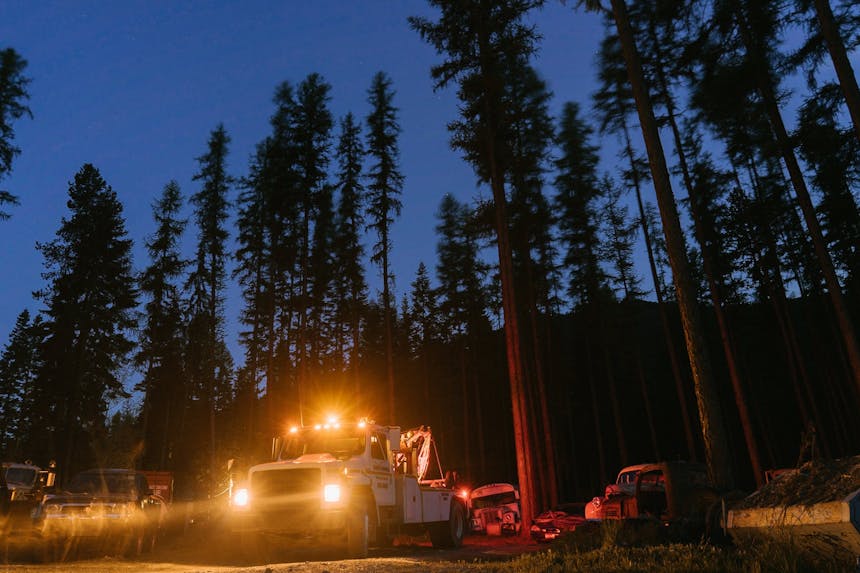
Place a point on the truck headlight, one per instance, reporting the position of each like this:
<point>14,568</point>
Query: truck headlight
<point>331,493</point>
<point>241,498</point>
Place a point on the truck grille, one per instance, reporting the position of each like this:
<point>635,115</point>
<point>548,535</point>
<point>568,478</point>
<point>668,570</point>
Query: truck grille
<point>294,488</point>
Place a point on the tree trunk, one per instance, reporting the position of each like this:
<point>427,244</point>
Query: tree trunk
<point>525,464</point>
<point>515,365</point>
<point>389,345</point>
<point>841,63</point>
<point>661,306</point>
<point>551,481</point>
<point>710,414</point>
<point>714,286</point>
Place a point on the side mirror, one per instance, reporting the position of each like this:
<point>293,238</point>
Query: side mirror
<point>394,439</point>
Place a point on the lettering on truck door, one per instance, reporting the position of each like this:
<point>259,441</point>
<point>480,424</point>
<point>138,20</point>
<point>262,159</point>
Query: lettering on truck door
<point>380,470</point>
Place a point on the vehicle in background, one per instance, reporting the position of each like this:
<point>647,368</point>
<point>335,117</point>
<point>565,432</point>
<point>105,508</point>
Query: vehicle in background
<point>495,509</point>
<point>552,524</point>
<point>610,505</point>
<point>26,481</point>
<point>105,504</point>
<point>26,485</point>
<point>352,484</point>
<point>669,492</point>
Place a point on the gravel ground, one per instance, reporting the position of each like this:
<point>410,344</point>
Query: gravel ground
<point>204,549</point>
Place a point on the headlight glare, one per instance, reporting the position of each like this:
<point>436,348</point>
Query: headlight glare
<point>331,493</point>
<point>241,498</point>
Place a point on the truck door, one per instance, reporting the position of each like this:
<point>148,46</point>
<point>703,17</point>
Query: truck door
<point>380,470</point>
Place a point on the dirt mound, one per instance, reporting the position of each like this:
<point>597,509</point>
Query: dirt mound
<point>814,482</point>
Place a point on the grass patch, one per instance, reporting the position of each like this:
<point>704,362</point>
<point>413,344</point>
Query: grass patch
<point>675,558</point>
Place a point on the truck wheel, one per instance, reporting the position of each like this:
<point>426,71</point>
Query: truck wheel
<point>356,534</point>
<point>450,533</point>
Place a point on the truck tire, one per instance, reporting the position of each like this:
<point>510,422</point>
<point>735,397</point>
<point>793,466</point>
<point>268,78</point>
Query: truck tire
<point>450,533</point>
<point>357,534</point>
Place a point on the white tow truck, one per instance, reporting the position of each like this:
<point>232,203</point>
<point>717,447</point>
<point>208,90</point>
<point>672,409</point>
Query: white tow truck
<point>353,484</point>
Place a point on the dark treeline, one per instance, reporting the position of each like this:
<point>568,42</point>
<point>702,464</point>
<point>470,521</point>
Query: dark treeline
<point>693,297</point>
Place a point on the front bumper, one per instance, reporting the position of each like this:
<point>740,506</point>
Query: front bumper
<point>89,525</point>
<point>287,522</point>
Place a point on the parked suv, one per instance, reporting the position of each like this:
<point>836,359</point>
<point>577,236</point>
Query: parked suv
<point>103,504</point>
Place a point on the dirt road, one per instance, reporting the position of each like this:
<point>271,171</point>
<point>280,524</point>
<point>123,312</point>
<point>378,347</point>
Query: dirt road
<point>215,552</point>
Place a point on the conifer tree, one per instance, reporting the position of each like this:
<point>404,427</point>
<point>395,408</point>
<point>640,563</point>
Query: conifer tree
<point>385,184</point>
<point>423,310</point>
<point>162,339</point>
<point>208,361</point>
<point>350,286</point>
<point>753,27</point>
<point>621,233</point>
<point>311,140</point>
<point>254,274</point>
<point>480,40</point>
<point>577,192</point>
<point>834,155</point>
<point>13,95</point>
<point>90,301</point>
<point>837,33</point>
<point>18,366</point>
<point>421,313</point>
<point>462,307</point>
<point>281,199</point>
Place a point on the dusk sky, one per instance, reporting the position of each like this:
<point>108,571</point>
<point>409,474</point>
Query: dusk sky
<point>135,87</point>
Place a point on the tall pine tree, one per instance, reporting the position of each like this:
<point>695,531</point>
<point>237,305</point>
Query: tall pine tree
<point>13,95</point>
<point>385,184</point>
<point>350,286</point>
<point>480,41</point>
<point>208,361</point>
<point>162,339</point>
<point>18,366</point>
<point>90,299</point>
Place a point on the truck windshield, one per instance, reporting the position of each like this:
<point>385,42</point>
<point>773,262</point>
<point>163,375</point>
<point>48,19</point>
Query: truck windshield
<point>341,443</point>
<point>23,476</point>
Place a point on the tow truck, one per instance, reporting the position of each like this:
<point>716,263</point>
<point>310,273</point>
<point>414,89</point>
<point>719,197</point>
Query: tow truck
<point>355,484</point>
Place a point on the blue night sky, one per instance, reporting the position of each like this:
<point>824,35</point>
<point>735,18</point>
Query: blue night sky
<point>135,87</point>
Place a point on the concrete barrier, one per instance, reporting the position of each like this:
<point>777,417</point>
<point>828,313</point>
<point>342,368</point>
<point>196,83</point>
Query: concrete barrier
<point>820,528</point>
